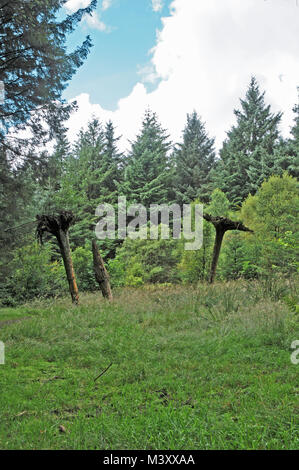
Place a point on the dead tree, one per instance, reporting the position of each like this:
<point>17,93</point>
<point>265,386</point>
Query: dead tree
<point>58,225</point>
<point>221,225</point>
<point>101,274</point>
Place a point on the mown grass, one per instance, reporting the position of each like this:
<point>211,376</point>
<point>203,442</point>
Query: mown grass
<point>193,368</point>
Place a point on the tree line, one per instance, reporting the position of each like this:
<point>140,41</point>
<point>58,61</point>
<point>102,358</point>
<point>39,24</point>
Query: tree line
<point>78,176</point>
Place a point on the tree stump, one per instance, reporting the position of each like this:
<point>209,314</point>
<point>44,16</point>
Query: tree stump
<point>101,274</point>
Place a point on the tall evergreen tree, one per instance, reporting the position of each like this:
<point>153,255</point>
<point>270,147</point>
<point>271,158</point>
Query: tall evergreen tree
<point>290,150</point>
<point>35,66</point>
<point>248,154</point>
<point>194,159</point>
<point>91,177</point>
<point>114,159</point>
<point>147,175</point>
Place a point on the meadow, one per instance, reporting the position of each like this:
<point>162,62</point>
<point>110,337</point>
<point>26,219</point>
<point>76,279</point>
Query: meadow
<point>193,367</point>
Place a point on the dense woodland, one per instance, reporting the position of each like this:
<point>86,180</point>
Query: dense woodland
<point>253,178</point>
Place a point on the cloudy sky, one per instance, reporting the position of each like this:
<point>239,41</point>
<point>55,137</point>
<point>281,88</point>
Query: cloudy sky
<point>175,56</point>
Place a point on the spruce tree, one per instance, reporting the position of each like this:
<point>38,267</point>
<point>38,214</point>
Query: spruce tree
<point>248,154</point>
<point>91,177</point>
<point>194,159</point>
<point>114,159</point>
<point>147,174</point>
<point>35,66</point>
<point>290,149</point>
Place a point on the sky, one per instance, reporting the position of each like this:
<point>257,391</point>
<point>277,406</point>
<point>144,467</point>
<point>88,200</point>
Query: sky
<point>176,56</point>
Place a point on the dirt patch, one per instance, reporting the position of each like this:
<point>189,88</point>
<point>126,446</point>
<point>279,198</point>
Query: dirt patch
<point>11,322</point>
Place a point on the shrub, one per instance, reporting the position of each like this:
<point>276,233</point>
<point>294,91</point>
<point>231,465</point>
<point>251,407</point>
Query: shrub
<point>34,274</point>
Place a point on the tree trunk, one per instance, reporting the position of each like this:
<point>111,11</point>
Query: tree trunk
<point>64,244</point>
<point>217,247</point>
<point>101,275</point>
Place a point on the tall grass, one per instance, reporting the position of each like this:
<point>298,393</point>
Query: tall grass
<point>204,367</point>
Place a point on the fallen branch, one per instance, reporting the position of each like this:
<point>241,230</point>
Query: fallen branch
<point>102,373</point>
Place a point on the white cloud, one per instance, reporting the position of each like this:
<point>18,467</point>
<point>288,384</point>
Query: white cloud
<point>204,56</point>
<point>106,4</point>
<point>148,73</point>
<point>74,5</point>
<point>157,5</point>
<point>93,21</point>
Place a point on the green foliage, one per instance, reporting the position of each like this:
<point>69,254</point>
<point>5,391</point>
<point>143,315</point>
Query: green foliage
<point>147,175</point>
<point>194,266</point>
<point>34,274</point>
<point>248,154</point>
<point>35,65</point>
<point>91,173</point>
<point>145,261</point>
<point>83,266</point>
<point>219,204</point>
<point>193,159</point>
<point>292,303</point>
<point>273,214</point>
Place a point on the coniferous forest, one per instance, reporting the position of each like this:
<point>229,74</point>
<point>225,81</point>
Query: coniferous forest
<point>169,311</point>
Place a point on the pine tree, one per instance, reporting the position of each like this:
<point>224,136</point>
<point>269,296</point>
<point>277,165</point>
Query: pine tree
<point>289,152</point>
<point>194,159</point>
<point>248,154</point>
<point>147,174</point>
<point>91,177</point>
<point>34,64</point>
<point>114,160</point>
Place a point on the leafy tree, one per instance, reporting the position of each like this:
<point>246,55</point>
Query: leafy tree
<point>248,154</point>
<point>273,215</point>
<point>194,266</point>
<point>219,205</point>
<point>33,273</point>
<point>145,261</point>
<point>194,159</point>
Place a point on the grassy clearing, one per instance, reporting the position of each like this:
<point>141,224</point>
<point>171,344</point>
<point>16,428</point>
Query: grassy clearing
<point>193,368</point>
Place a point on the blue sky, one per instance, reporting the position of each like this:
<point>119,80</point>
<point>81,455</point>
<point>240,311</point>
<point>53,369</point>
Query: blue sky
<point>176,56</point>
<point>111,70</point>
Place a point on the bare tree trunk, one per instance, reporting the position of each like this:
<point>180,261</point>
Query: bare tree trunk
<point>64,245</point>
<point>101,274</point>
<point>58,225</point>
<point>217,247</point>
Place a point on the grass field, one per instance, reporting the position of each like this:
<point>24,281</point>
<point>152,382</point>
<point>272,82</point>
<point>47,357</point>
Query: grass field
<point>192,368</point>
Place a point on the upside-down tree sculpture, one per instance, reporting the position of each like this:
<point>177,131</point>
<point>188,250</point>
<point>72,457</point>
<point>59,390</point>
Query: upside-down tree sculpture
<point>222,225</point>
<point>58,225</point>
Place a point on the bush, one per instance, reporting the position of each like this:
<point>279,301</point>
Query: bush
<point>273,214</point>
<point>145,261</point>
<point>83,266</point>
<point>34,274</point>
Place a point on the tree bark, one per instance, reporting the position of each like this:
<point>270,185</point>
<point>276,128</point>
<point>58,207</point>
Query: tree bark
<point>64,245</point>
<point>217,247</point>
<point>101,274</point>
<point>58,225</point>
